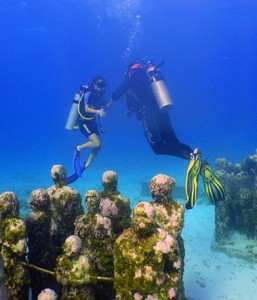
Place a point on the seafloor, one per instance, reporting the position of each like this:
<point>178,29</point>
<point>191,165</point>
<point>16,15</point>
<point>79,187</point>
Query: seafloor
<point>208,274</point>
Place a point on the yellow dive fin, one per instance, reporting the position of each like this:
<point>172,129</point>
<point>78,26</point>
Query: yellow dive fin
<point>212,184</point>
<point>191,182</point>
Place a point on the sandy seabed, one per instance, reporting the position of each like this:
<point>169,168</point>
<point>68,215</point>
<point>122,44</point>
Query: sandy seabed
<point>213,275</point>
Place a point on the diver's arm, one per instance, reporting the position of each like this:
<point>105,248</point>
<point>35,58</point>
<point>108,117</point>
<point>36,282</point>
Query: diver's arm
<point>121,90</point>
<point>99,112</point>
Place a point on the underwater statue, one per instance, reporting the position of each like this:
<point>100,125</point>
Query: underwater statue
<point>169,213</point>
<point>16,275</point>
<point>9,208</point>
<point>146,263</point>
<point>99,255</point>
<point>73,271</point>
<point>98,239</point>
<point>65,206</point>
<point>239,209</point>
<point>113,205</point>
<point>170,217</point>
<point>38,224</point>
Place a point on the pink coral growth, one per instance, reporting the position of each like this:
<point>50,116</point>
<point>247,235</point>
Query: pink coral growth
<point>137,296</point>
<point>163,180</point>
<point>171,293</point>
<point>173,220</point>
<point>103,221</point>
<point>143,208</point>
<point>165,245</point>
<point>177,264</point>
<point>161,185</point>
<point>148,209</point>
<point>107,208</point>
<point>138,273</point>
<point>141,225</point>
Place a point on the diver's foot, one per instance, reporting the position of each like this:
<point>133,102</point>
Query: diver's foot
<point>77,164</point>
<point>77,152</point>
<point>195,152</point>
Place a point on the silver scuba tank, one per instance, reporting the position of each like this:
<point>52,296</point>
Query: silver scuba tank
<point>73,117</point>
<point>159,89</point>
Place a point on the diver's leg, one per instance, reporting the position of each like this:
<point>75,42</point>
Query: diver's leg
<point>95,143</point>
<point>161,135</point>
<point>91,157</point>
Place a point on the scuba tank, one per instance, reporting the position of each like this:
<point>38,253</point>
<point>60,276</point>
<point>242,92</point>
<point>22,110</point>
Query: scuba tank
<point>75,113</point>
<point>73,117</point>
<point>159,88</point>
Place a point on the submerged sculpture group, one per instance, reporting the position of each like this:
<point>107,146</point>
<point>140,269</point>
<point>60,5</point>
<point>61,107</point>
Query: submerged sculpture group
<point>61,253</point>
<point>237,213</point>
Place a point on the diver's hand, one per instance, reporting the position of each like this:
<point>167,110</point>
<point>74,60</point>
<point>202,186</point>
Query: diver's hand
<point>85,87</point>
<point>101,113</point>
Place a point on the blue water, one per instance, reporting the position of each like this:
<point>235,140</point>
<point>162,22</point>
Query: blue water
<point>49,48</point>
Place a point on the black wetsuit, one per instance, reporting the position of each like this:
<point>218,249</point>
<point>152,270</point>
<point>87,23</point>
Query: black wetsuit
<point>157,126</point>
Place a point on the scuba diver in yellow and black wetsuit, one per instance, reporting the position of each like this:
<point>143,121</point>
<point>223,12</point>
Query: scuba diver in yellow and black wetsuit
<point>88,106</point>
<point>147,96</point>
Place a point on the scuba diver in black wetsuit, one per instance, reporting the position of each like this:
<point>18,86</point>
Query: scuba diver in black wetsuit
<point>147,96</point>
<point>156,122</point>
<point>87,107</point>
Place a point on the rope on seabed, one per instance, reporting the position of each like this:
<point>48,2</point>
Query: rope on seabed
<point>107,279</point>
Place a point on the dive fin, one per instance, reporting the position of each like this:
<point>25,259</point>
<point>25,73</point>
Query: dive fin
<point>75,176</point>
<point>78,167</point>
<point>72,178</point>
<point>212,184</point>
<point>77,163</point>
<point>191,182</point>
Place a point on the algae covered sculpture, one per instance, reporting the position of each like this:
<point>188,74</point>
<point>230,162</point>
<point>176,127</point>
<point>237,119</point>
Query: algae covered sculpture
<point>98,239</point>
<point>38,224</point>
<point>16,276</point>
<point>169,213</point>
<point>113,205</point>
<point>145,260</point>
<point>9,208</point>
<point>13,248</point>
<point>170,217</point>
<point>237,213</point>
<point>92,202</point>
<point>98,255</point>
<point>73,271</point>
<point>65,204</point>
